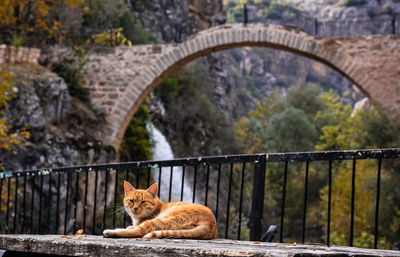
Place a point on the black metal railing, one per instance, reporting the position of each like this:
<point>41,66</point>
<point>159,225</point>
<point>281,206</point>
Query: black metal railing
<point>63,200</point>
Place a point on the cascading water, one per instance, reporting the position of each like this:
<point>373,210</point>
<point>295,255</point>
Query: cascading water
<point>162,151</point>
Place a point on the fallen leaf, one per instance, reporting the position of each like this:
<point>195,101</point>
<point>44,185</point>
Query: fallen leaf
<point>79,232</point>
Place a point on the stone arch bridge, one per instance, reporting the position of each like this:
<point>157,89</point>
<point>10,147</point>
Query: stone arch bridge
<point>119,79</point>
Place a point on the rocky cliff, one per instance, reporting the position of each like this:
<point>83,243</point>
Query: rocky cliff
<point>63,129</point>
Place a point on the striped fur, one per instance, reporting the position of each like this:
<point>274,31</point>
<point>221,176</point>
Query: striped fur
<point>154,219</point>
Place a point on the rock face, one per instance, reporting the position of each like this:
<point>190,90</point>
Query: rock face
<point>332,18</point>
<point>175,20</point>
<point>342,18</point>
<point>166,20</point>
<point>59,124</point>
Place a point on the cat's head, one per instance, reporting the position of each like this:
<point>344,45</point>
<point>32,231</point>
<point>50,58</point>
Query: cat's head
<point>141,203</point>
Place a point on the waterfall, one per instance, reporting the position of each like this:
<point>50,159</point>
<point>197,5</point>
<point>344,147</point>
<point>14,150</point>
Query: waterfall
<point>162,151</point>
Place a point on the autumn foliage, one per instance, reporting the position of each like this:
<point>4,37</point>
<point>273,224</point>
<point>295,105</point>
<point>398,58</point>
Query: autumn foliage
<point>34,17</point>
<point>8,140</point>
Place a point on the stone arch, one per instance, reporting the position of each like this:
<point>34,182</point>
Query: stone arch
<point>338,53</point>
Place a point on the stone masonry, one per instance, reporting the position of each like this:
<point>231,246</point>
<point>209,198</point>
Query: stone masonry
<point>99,247</point>
<point>11,54</point>
<point>120,79</point>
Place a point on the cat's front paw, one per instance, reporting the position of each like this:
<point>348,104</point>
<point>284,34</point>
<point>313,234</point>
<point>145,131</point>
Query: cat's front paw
<point>131,227</point>
<point>109,233</point>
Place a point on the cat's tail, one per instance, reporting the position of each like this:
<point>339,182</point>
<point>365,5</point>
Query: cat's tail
<point>199,232</point>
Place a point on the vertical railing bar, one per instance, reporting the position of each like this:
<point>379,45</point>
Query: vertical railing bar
<point>66,204</point>
<point>328,229</point>
<point>353,185</point>
<point>183,181</point>
<point>378,192</point>
<point>257,202</point>
<point>148,177</point>
<point>115,197</point>
<point>241,199</point>
<point>218,182</point>
<point>1,199</point>
<point>305,203</point>
<point>159,182</point>
<point>15,205</point>
<point>76,199</point>
<point>48,207</point>
<point>95,202</point>
<point>127,179</point>
<point>103,225</point>
<point>207,180</point>
<point>23,205</point>
<point>8,203</point>
<point>137,178</point>
<point>32,201</point>
<point>194,183</point>
<point>283,203</point>
<point>229,202</point>
<point>85,201</point>
<point>58,200</point>
<point>40,202</point>
<point>170,184</point>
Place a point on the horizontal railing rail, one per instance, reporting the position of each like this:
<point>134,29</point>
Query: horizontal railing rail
<point>240,190</point>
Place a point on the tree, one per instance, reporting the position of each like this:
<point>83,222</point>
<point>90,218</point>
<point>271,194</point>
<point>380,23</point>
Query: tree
<point>290,130</point>
<point>250,133</point>
<point>339,124</point>
<point>34,17</point>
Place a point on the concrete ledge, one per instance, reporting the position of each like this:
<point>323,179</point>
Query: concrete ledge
<point>99,246</point>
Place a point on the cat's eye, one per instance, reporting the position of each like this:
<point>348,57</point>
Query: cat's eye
<point>143,202</point>
<point>132,201</point>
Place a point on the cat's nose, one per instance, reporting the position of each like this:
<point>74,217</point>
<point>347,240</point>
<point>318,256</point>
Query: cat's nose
<point>135,208</point>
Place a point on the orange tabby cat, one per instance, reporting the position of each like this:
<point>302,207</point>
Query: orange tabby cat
<point>154,219</point>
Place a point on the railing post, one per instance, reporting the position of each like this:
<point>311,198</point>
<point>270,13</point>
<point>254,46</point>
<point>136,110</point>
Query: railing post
<point>257,202</point>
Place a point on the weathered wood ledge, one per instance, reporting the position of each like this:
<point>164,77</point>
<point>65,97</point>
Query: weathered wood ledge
<point>99,246</point>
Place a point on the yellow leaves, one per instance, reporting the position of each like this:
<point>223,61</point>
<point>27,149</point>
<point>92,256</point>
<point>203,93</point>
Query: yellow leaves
<point>4,194</point>
<point>34,16</point>
<point>341,198</point>
<point>113,37</point>
<point>246,140</point>
<point>8,140</point>
<point>341,130</point>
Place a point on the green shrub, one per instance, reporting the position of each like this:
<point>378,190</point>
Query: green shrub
<point>17,40</point>
<point>168,89</point>
<point>72,71</point>
<point>136,145</point>
<point>274,11</point>
<point>387,8</point>
<point>237,13</point>
<point>140,35</point>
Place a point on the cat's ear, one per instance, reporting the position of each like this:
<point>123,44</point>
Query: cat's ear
<point>128,187</point>
<point>153,190</point>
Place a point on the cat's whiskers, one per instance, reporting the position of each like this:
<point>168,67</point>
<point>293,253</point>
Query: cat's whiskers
<point>119,211</point>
